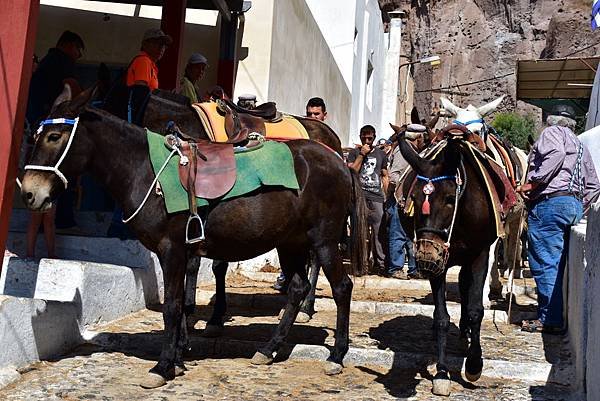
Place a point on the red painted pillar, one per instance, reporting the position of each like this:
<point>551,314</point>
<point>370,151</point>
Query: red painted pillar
<point>228,54</point>
<point>17,43</point>
<point>173,24</point>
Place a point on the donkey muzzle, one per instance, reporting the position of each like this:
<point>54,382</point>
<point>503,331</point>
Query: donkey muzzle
<point>431,257</point>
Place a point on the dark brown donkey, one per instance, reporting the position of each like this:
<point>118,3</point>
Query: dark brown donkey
<point>454,225</point>
<point>162,107</point>
<point>293,222</point>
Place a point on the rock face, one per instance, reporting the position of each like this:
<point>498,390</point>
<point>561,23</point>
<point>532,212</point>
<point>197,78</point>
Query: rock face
<point>479,42</point>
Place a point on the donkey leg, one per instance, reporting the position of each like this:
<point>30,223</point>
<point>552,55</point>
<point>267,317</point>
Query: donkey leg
<point>293,264</point>
<point>441,322</point>
<point>341,287</point>
<point>464,283</point>
<point>214,326</point>
<point>191,279</point>
<point>307,308</point>
<point>173,262</point>
<point>474,362</point>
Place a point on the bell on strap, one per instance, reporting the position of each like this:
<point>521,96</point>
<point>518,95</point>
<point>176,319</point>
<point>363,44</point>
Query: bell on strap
<point>427,190</point>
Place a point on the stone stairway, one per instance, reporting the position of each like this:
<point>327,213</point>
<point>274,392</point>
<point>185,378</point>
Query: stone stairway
<point>392,352</point>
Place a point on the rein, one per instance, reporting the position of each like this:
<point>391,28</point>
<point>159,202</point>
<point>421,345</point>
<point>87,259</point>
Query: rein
<point>54,169</point>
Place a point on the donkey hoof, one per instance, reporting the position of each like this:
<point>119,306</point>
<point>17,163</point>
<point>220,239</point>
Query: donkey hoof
<point>212,331</point>
<point>302,317</point>
<point>332,368</point>
<point>261,359</point>
<point>153,380</point>
<point>180,370</point>
<point>472,377</point>
<point>441,384</point>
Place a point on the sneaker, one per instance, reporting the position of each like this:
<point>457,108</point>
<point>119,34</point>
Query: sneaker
<point>399,274</point>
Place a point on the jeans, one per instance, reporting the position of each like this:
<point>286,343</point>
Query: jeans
<point>398,242</point>
<point>374,220</point>
<point>550,221</point>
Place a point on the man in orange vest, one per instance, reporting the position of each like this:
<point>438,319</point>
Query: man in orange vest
<point>142,73</point>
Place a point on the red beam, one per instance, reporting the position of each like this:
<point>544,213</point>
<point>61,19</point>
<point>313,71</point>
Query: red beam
<point>17,42</point>
<point>173,24</point>
<point>228,54</point>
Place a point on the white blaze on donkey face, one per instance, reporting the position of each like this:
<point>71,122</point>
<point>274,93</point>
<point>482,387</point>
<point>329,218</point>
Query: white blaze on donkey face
<point>471,116</point>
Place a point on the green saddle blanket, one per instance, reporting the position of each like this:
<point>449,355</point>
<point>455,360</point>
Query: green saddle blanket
<point>269,165</point>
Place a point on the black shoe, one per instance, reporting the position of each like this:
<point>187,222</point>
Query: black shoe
<point>415,275</point>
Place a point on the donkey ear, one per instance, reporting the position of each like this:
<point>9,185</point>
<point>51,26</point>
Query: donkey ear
<point>82,99</point>
<point>412,157</point>
<point>398,130</point>
<point>65,96</point>
<point>449,106</point>
<point>414,116</point>
<point>488,108</point>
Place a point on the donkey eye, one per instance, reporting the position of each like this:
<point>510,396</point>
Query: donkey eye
<point>450,199</point>
<point>54,137</point>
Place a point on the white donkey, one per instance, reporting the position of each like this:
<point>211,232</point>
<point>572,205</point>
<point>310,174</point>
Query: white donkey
<point>472,118</point>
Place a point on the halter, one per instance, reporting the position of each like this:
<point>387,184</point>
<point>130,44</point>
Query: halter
<point>55,169</point>
<point>479,120</point>
<point>431,265</point>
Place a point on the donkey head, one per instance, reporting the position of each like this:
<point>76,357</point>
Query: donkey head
<point>435,198</point>
<point>56,155</point>
<point>472,116</point>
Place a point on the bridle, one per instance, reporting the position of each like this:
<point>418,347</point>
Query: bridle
<point>54,169</point>
<point>436,266</point>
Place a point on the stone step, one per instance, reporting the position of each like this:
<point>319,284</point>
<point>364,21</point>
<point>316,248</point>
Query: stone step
<point>498,369</point>
<point>377,282</point>
<point>269,301</point>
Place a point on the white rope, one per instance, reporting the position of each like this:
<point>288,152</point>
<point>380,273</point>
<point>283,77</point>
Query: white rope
<point>455,207</point>
<point>152,186</point>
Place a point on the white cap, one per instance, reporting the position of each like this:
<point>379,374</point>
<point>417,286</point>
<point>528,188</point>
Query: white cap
<point>197,58</point>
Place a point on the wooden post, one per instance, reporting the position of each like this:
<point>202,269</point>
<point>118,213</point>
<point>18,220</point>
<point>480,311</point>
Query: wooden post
<point>173,24</point>
<point>228,53</point>
<point>17,42</point>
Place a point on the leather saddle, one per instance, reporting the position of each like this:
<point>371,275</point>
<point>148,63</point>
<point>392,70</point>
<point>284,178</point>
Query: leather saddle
<point>210,170</point>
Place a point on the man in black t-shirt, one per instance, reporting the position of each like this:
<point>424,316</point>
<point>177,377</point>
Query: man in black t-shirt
<point>371,163</point>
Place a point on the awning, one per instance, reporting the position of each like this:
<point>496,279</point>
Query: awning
<point>542,82</point>
<point>566,78</point>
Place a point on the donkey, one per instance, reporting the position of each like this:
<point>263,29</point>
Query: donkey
<point>162,107</point>
<point>472,118</point>
<point>452,217</point>
<point>78,138</point>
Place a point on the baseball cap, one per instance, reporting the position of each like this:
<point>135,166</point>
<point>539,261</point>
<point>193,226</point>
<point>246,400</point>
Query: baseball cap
<point>197,58</point>
<point>155,33</point>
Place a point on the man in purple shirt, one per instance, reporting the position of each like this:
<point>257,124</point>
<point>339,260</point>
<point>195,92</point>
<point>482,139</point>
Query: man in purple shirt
<point>561,182</point>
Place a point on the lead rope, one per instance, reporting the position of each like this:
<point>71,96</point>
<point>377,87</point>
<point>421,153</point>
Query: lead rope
<point>577,172</point>
<point>456,199</point>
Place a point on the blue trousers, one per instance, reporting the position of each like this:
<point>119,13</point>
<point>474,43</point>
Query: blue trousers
<point>550,222</point>
<point>400,245</point>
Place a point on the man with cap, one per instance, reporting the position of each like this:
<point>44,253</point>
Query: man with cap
<point>194,71</point>
<point>142,73</point>
<point>561,183</point>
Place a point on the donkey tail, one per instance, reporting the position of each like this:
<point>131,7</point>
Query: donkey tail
<point>359,250</point>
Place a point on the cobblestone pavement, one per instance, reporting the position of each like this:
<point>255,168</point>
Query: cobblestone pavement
<point>111,366</point>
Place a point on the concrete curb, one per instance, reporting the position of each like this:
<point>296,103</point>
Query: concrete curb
<point>46,305</point>
<point>497,369</point>
<point>326,304</point>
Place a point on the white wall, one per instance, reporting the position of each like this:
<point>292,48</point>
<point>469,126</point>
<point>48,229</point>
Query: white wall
<point>583,303</point>
<point>335,19</point>
<point>390,82</point>
<point>302,67</point>
<point>370,45</point>
<point>253,72</point>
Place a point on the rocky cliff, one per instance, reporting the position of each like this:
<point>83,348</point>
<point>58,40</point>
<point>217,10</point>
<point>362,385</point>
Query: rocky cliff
<point>479,42</point>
